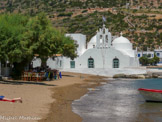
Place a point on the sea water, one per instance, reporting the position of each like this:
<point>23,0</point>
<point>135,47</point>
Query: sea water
<point>119,101</point>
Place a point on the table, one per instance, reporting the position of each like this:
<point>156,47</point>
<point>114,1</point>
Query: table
<point>33,76</point>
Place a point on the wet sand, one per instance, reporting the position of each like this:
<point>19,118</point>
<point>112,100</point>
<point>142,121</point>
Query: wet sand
<point>48,101</point>
<point>61,110</point>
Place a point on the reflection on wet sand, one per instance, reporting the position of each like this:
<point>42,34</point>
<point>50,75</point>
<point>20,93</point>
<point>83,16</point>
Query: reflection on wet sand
<point>117,101</point>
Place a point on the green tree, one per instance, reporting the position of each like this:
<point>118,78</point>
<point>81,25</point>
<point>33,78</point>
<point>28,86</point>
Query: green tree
<point>156,59</point>
<point>144,60</point>
<point>22,36</point>
<point>151,61</point>
<point>12,28</point>
<point>46,41</point>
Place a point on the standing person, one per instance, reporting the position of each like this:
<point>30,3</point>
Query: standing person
<point>2,98</point>
<point>55,74</point>
<point>60,75</point>
<point>51,75</point>
<point>46,75</point>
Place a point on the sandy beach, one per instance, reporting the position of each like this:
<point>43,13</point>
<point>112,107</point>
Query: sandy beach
<point>48,101</point>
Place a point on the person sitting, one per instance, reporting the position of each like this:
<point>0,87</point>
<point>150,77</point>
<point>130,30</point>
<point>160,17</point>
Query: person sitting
<point>2,98</point>
<point>46,76</point>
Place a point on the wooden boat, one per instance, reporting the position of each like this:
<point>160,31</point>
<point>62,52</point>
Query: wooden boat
<point>151,95</point>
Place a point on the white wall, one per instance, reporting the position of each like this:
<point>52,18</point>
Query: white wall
<point>109,71</point>
<point>66,62</point>
<point>56,63</point>
<point>131,53</point>
<point>146,52</point>
<point>103,58</point>
<point>36,62</point>
<point>81,41</point>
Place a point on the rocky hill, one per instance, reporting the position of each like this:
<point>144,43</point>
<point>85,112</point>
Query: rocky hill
<point>139,20</point>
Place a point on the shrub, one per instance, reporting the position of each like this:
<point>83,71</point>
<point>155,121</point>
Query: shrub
<point>84,11</point>
<point>65,14</point>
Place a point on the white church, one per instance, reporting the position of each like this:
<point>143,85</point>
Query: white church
<point>102,51</point>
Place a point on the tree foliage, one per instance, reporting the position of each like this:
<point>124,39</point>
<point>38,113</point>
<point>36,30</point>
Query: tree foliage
<point>22,36</point>
<point>12,29</point>
<point>145,60</point>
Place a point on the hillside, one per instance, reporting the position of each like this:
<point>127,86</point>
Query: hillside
<point>139,20</point>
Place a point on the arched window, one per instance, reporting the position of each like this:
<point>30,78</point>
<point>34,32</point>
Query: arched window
<point>115,63</point>
<point>90,63</point>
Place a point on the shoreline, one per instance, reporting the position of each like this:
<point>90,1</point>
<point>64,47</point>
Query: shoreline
<point>61,108</point>
<point>46,101</point>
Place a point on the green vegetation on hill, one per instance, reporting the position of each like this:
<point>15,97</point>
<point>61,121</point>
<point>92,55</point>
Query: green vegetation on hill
<point>88,24</point>
<point>141,22</point>
<point>36,6</point>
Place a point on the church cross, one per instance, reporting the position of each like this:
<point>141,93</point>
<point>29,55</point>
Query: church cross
<point>121,34</point>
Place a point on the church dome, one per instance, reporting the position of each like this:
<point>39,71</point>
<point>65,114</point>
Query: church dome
<point>120,40</point>
<point>93,40</point>
<point>122,43</point>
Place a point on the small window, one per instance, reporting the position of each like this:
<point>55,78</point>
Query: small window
<point>144,55</point>
<point>149,55</point>
<point>72,64</point>
<point>158,54</point>
<point>93,46</point>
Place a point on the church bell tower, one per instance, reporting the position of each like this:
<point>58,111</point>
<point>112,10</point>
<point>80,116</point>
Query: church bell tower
<point>103,38</point>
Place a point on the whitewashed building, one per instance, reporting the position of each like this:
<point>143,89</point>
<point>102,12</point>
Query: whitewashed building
<point>150,54</point>
<point>158,53</point>
<point>103,51</point>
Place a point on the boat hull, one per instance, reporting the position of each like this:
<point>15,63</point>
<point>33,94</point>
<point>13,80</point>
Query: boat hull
<point>151,95</point>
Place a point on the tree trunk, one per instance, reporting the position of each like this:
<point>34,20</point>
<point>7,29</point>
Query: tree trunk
<point>44,62</point>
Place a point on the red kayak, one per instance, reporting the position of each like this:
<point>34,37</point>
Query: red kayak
<point>154,95</point>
